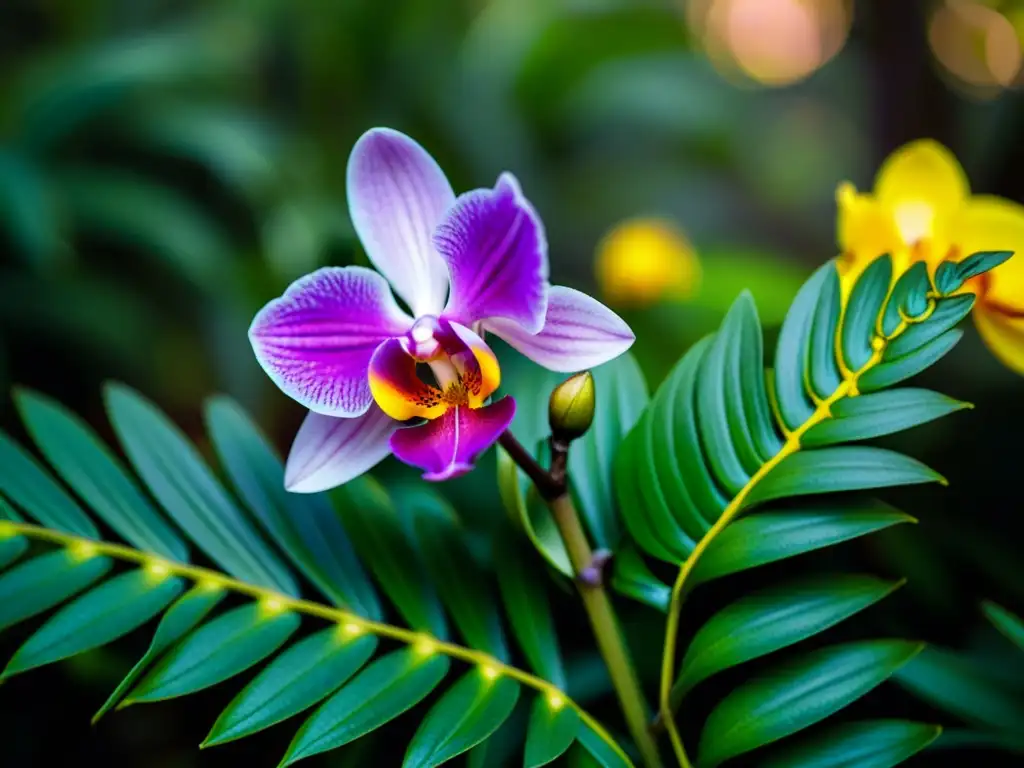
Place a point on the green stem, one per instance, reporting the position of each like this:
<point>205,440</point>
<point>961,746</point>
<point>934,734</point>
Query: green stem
<point>610,640</point>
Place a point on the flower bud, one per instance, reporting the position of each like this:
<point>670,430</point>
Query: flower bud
<point>571,408</point>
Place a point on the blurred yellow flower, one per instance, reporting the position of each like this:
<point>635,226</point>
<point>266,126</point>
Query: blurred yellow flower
<point>922,210</point>
<point>642,261</point>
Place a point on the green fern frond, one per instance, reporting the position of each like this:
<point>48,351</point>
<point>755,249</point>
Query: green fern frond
<point>721,438</point>
<point>354,671</point>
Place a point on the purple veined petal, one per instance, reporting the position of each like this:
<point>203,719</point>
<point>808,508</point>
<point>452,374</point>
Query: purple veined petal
<point>315,342</point>
<point>397,196</point>
<point>447,446</point>
<point>497,256</point>
<point>579,333</point>
<point>329,451</point>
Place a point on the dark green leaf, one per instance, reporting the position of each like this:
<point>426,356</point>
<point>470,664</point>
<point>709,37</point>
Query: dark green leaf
<point>528,609</point>
<point>892,372</point>
<point>947,313</point>
<point>756,407</point>
<point>11,548</point>
<point>632,577</point>
<point>824,374</point>
<point>882,413</point>
<point>469,712</point>
<point>842,468</point>
<point>464,587</point>
<point>966,689</point>
<point>950,276</point>
<point>27,484</point>
<point>621,393</point>
<point>720,413</point>
<point>1007,623</point>
<point>218,650</point>
<point>303,525</point>
<point>804,692</point>
<point>185,487</point>
<point>296,680</point>
<point>154,219</point>
<point>551,732</point>
<point>39,584</point>
<point>601,750</point>
<point>98,617</point>
<point>371,520</point>
<point>774,618</point>
<point>864,305</point>
<point>27,210</point>
<point>378,694</point>
<point>87,465</point>
<point>770,536</point>
<point>908,296</point>
<point>795,406</point>
<point>180,619</point>
<point>869,744</point>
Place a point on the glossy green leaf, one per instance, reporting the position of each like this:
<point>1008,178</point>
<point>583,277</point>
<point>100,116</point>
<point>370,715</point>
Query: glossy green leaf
<point>868,744</point>
<point>527,608</point>
<point>470,711</point>
<point>840,468</point>
<point>770,536</point>
<point>795,406</point>
<point>632,577</point>
<point>519,499</point>
<point>303,525</point>
<point>551,732</point>
<point>98,617</point>
<point>304,674</point>
<point>600,749</point>
<point>824,374</point>
<point>1008,623</point>
<point>675,450</point>
<point>37,585</point>
<point>373,523</point>
<point>218,650</point>
<point>380,693</point>
<point>892,372</point>
<point>715,422</point>
<point>86,464</point>
<point>881,413</point>
<point>7,512</point>
<point>908,296</point>
<point>864,305</point>
<point>951,275</point>
<point>798,695</point>
<point>751,380</point>
<point>11,548</point>
<point>774,618</point>
<point>24,481</point>
<point>621,395</point>
<point>188,491</point>
<point>947,313</point>
<point>462,583</point>
<point>958,685</point>
<point>180,619</point>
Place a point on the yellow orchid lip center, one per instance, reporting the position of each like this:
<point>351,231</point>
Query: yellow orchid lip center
<point>915,221</point>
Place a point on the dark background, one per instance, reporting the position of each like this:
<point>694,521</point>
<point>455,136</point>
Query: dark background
<point>167,167</point>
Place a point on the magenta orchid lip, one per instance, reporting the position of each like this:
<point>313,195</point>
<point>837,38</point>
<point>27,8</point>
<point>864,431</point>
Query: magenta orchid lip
<point>338,341</point>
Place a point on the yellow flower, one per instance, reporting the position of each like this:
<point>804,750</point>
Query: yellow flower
<point>641,261</point>
<point>922,209</point>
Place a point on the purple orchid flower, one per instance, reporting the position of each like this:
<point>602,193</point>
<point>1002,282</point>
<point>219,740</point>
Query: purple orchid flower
<point>338,342</point>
